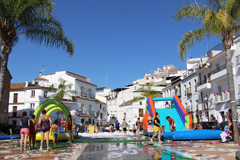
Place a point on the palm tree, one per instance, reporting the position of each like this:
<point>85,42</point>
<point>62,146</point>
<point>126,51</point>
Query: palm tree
<point>35,20</point>
<point>62,91</point>
<point>146,92</point>
<point>218,18</point>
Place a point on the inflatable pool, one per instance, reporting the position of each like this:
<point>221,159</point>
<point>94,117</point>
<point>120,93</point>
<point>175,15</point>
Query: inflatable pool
<point>192,135</point>
<point>62,136</point>
<point>9,137</point>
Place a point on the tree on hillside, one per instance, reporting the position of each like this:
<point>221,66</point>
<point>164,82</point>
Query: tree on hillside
<point>218,18</point>
<point>146,92</point>
<point>35,20</point>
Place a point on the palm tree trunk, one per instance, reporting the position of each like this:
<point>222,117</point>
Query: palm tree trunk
<point>232,94</point>
<point>3,74</point>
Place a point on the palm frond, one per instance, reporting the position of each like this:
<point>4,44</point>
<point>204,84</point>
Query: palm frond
<point>192,11</point>
<point>135,99</point>
<point>189,39</point>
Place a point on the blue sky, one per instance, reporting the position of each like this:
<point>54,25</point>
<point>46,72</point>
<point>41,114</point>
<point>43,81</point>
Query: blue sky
<point>118,39</point>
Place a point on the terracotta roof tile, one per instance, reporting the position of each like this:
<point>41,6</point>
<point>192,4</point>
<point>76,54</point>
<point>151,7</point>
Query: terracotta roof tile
<point>40,79</point>
<point>83,80</point>
<point>17,85</point>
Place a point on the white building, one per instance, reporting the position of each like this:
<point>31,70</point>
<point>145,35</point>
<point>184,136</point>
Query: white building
<point>204,85</point>
<point>28,96</point>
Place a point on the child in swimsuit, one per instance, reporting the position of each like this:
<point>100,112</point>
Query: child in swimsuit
<point>55,132</point>
<point>134,130</point>
<point>110,128</point>
<point>32,132</point>
<point>96,129</point>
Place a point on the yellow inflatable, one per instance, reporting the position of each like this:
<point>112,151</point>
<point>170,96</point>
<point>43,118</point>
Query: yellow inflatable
<point>61,136</point>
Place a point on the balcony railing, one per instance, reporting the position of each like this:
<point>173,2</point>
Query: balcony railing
<point>83,94</point>
<point>202,82</point>
<point>92,96</point>
<point>237,59</point>
<point>218,69</point>
<point>189,92</point>
<point>189,109</point>
<point>92,113</point>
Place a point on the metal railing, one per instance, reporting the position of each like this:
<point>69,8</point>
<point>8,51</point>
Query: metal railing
<point>202,82</point>
<point>218,69</point>
<point>189,108</point>
<point>92,96</point>
<point>189,91</point>
<point>237,59</point>
<point>92,113</point>
<point>83,94</point>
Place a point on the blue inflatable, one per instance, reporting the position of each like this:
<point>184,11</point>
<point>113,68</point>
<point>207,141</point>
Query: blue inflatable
<point>192,135</point>
<point>8,136</point>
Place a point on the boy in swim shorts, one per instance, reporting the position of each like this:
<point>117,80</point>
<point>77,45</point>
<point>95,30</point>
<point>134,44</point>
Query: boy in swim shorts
<point>55,132</point>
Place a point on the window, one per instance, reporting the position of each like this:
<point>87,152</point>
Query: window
<point>189,87</point>
<point>209,77</point>
<point>4,110</point>
<point>185,90</point>
<point>195,85</point>
<point>32,93</point>
<point>14,111</point>
<point>196,103</point>
<point>90,122</point>
<point>124,115</point>
<point>100,106</point>
<point>15,100</point>
<point>205,79</point>
<point>190,105</point>
<point>147,78</point>
<point>101,115</point>
<point>140,102</point>
<point>140,112</point>
<point>152,77</point>
<point>217,67</point>
<point>45,94</point>
<point>32,106</point>
<point>220,93</point>
<point>82,121</point>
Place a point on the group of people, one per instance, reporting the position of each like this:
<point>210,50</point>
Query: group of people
<point>29,128</point>
<point>157,128</point>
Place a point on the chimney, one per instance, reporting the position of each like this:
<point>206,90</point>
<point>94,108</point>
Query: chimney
<point>40,74</point>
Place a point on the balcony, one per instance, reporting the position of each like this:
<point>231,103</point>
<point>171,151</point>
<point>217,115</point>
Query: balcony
<point>92,96</point>
<point>204,85</point>
<point>219,73</point>
<point>238,60</point>
<point>218,98</point>
<point>189,92</point>
<point>189,109</point>
<point>83,94</point>
<point>92,113</point>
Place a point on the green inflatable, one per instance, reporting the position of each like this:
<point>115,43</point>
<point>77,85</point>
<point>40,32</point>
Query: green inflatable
<point>51,106</point>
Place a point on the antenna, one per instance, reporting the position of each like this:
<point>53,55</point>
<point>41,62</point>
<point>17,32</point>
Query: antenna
<point>55,68</point>
<point>43,70</point>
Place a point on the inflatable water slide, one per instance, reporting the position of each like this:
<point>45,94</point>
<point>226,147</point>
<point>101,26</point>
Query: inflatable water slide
<point>182,119</point>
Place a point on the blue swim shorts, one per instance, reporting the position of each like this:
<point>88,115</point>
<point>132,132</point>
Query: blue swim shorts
<point>55,132</point>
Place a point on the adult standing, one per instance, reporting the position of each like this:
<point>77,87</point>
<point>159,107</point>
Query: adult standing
<point>69,122</point>
<point>216,124</point>
<point>117,125</point>
<point>25,124</point>
<point>124,125</point>
<point>149,127</point>
<point>171,123</point>
<point>138,126</point>
<point>157,128</point>
<point>45,126</point>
